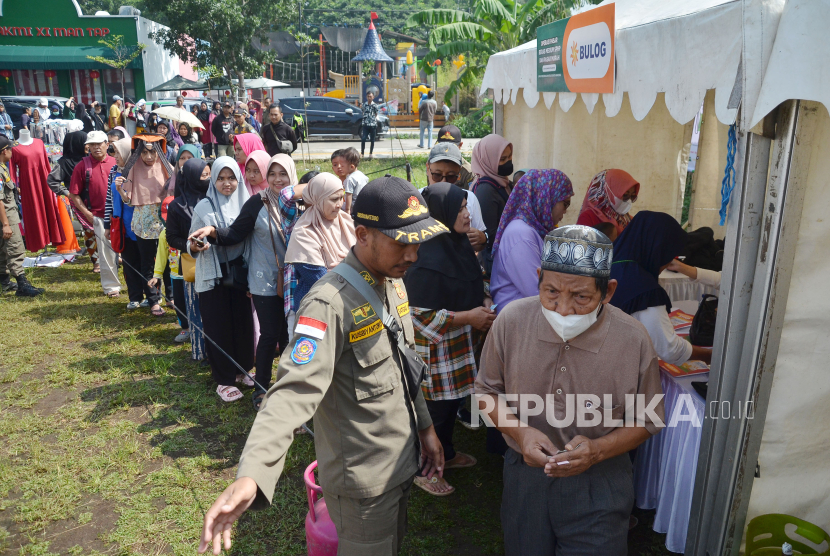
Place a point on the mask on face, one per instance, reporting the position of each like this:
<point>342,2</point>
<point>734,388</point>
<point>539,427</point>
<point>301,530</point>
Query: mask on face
<point>506,169</point>
<point>203,185</point>
<point>622,207</point>
<point>570,326</point>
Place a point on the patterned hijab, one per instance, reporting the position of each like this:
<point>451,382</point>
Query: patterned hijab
<point>532,201</point>
<point>598,201</point>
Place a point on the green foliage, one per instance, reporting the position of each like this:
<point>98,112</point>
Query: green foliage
<point>491,26</point>
<point>122,55</point>
<point>219,32</point>
<point>89,7</point>
<point>477,123</point>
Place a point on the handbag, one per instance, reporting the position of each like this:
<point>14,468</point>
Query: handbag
<point>235,272</point>
<point>702,332</point>
<point>117,234</point>
<point>188,267</point>
<point>413,368</point>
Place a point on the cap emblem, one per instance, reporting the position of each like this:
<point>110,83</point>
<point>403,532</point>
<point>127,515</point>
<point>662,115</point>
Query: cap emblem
<point>447,135</point>
<point>414,208</point>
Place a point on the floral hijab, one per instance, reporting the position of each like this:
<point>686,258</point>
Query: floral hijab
<point>598,197</point>
<point>532,201</point>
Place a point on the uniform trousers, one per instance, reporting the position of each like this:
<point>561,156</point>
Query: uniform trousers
<point>227,319</point>
<point>12,250</point>
<point>372,526</point>
<point>586,514</point>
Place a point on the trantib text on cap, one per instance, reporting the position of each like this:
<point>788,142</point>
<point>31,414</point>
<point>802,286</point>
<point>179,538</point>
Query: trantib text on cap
<point>396,208</point>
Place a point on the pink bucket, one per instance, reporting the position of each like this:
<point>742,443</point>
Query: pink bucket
<point>320,534</point>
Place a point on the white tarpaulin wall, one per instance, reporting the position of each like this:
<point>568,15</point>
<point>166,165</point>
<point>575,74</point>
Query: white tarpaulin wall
<point>793,459</point>
<point>655,151</point>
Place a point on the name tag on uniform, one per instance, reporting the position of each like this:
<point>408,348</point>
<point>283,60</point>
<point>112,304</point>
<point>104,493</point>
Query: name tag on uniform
<point>308,326</point>
<point>403,309</point>
<point>366,331</point>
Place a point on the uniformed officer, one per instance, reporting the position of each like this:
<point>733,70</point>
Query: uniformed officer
<point>342,369</point>
<point>12,250</point>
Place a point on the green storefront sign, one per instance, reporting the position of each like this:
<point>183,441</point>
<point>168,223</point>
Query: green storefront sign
<point>549,51</point>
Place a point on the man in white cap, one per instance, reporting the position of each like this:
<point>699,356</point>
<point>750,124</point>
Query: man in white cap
<point>583,380</point>
<point>115,112</point>
<point>43,109</point>
<point>88,192</point>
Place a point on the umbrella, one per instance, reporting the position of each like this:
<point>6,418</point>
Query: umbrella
<point>178,115</point>
<point>179,83</point>
<point>263,83</point>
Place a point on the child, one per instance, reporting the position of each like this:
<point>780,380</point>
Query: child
<point>168,258</point>
<point>344,163</point>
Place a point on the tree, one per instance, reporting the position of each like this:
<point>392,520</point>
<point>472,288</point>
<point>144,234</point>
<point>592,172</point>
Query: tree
<point>492,26</point>
<point>89,7</point>
<point>219,32</point>
<point>122,55</point>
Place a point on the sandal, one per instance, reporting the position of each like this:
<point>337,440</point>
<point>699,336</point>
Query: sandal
<point>245,379</point>
<point>299,430</point>
<point>257,400</point>
<point>228,393</point>
<point>157,311</point>
<point>96,268</point>
<point>429,484</point>
<point>114,295</point>
<point>460,461</point>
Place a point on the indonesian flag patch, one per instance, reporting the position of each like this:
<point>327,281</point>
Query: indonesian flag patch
<point>311,327</point>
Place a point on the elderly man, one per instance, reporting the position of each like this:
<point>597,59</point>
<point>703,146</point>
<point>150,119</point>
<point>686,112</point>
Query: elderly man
<point>572,367</point>
<point>88,192</point>
<point>344,367</point>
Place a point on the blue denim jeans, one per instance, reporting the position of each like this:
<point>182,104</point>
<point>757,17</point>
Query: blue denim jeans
<point>425,126</point>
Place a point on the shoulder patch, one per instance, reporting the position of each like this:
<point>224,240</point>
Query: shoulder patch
<point>311,327</point>
<point>367,276</point>
<point>366,331</point>
<point>399,290</point>
<point>363,313</point>
<point>303,351</point>
<point>403,309</point>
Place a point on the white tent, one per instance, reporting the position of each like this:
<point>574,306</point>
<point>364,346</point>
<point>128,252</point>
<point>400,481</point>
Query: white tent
<point>762,65</point>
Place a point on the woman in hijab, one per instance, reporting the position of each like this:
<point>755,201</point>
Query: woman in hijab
<point>226,310</point>
<point>187,134</point>
<point>266,222</point>
<point>244,145</point>
<point>323,235</point>
<point>492,164</point>
<point>446,298</point>
<point>143,185</point>
<point>256,171</point>
<point>115,206</point>
<point>152,119</point>
<point>82,115</point>
<point>186,153</point>
<point>193,182</point>
<point>69,109</point>
<point>609,199</point>
<point>649,243</point>
<point>536,205</point>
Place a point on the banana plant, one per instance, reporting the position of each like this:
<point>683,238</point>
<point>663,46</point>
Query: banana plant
<point>491,26</point>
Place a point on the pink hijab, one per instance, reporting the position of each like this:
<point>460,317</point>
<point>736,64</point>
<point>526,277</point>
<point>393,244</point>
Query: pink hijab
<point>316,240</point>
<point>249,142</point>
<point>486,155</point>
<point>261,158</point>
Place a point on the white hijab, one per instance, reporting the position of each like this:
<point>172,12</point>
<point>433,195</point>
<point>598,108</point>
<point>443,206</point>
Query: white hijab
<point>227,210</point>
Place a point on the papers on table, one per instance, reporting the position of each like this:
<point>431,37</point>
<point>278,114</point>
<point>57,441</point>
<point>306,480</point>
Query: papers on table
<point>681,321</point>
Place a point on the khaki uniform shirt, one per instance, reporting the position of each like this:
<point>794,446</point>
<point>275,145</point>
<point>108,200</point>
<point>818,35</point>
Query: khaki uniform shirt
<point>523,355</point>
<point>7,191</point>
<point>350,381</point>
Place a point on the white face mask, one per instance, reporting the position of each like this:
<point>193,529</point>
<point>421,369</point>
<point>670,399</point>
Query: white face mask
<point>570,326</point>
<point>622,207</point>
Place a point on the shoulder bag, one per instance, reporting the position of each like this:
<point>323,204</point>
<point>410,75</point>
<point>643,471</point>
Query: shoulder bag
<point>235,272</point>
<point>702,332</point>
<point>279,247</point>
<point>413,367</point>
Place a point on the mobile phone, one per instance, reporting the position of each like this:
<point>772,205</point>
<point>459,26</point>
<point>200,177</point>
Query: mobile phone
<point>197,241</point>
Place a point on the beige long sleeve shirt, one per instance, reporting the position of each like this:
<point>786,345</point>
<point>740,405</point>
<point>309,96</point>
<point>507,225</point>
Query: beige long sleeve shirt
<point>342,369</point>
<point>613,358</point>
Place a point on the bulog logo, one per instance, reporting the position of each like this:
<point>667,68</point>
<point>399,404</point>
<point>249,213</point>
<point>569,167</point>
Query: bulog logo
<point>589,51</point>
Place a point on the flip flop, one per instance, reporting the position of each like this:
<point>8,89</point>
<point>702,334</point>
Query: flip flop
<point>228,393</point>
<point>257,400</point>
<point>471,461</point>
<point>157,312</point>
<point>424,483</point>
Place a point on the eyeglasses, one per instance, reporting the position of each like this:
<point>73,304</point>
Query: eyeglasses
<point>438,177</point>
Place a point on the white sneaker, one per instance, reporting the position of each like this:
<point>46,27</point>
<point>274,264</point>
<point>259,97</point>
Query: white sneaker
<point>182,337</point>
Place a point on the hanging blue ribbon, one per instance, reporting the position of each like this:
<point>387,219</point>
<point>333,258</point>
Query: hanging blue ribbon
<point>728,183</point>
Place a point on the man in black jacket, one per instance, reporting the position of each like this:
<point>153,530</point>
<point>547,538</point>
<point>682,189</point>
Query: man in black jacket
<point>222,129</point>
<point>278,136</point>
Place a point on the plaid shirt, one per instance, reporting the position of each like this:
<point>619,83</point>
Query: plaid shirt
<point>449,352</point>
<point>290,213</point>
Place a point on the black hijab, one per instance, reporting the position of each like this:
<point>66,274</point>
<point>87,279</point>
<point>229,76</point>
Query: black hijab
<point>447,274</point>
<point>73,152</point>
<point>83,115</point>
<point>203,115</point>
<point>192,188</point>
<point>650,241</point>
<point>217,108</point>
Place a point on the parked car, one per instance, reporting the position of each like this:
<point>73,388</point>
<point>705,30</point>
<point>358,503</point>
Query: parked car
<point>32,101</point>
<point>15,110</point>
<point>329,116</point>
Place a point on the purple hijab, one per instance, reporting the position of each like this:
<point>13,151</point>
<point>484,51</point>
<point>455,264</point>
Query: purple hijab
<point>532,201</point>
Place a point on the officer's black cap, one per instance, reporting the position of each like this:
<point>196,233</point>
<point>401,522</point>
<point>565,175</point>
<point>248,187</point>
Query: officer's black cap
<point>396,208</point>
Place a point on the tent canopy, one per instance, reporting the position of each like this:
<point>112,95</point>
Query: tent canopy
<point>678,47</point>
<point>179,83</point>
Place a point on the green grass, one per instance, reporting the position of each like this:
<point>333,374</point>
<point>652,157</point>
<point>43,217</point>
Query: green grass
<point>113,442</point>
<point>377,167</point>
